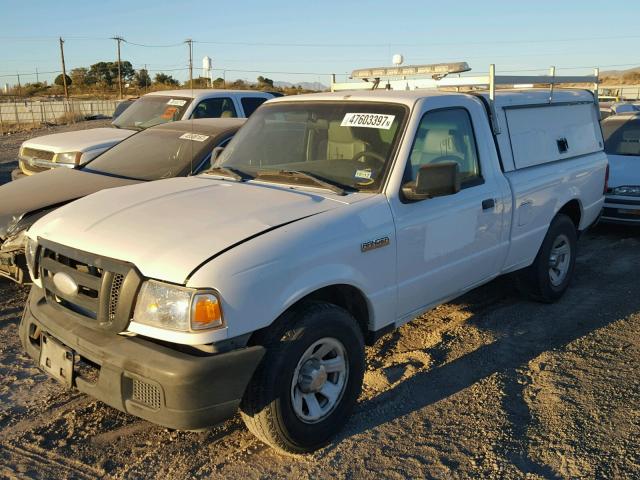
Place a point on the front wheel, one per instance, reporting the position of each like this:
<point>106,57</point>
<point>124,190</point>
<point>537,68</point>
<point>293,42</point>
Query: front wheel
<point>549,276</point>
<point>309,379</point>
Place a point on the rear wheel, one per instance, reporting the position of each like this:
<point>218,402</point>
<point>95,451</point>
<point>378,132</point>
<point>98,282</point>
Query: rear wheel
<point>309,379</point>
<point>549,276</point>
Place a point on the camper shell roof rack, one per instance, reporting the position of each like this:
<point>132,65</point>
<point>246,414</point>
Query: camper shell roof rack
<point>435,76</point>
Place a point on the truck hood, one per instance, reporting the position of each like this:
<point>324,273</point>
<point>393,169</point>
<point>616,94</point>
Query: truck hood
<point>624,170</point>
<point>170,227</point>
<point>49,188</point>
<point>79,141</point>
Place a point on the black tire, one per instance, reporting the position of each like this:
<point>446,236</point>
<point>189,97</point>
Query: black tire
<point>535,281</point>
<point>267,407</point>
<point>17,174</point>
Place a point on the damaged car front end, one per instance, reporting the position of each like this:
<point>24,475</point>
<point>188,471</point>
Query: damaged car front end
<point>13,240</point>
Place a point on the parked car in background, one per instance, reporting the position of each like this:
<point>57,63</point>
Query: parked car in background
<point>622,146</point>
<point>171,150</point>
<point>122,106</point>
<point>328,221</point>
<point>624,107</point>
<point>70,149</point>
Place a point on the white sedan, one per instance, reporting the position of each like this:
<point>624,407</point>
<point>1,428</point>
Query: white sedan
<point>622,145</point>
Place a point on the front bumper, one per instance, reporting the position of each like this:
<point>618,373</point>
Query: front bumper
<point>621,209</point>
<point>168,387</point>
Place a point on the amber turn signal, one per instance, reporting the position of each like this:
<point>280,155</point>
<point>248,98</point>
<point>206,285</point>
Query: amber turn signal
<point>206,312</point>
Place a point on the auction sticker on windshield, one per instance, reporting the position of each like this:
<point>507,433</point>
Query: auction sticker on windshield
<point>194,136</point>
<point>176,103</point>
<point>368,120</point>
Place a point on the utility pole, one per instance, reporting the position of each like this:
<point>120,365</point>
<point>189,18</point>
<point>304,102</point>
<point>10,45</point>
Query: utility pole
<point>118,40</point>
<point>37,78</point>
<point>19,86</point>
<point>190,42</point>
<point>64,70</point>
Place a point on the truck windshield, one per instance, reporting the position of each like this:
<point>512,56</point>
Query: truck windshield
<point>621,135</point>
<point>152,110</point>
<point>153,154</point>
<point>346,144</point>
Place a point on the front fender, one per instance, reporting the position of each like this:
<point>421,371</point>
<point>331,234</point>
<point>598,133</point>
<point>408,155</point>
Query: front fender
<point>260,279</point>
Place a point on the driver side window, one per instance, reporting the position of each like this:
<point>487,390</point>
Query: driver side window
<point>446,135</point>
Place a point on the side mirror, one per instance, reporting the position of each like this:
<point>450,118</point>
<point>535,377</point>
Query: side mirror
<point>434,180</point>
<point>215,153</point>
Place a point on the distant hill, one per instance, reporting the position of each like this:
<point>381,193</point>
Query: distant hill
<point>630,76</point>
<point>304,85</point>
<point>619,73</point>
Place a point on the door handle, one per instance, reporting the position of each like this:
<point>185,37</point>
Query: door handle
<point>488,203</point>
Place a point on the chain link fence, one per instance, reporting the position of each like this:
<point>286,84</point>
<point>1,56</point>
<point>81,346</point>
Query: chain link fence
<point>16,114</point>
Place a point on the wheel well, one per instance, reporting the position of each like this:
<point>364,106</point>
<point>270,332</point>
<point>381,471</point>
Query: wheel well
<point>572,210</point>
<point>347,297</point>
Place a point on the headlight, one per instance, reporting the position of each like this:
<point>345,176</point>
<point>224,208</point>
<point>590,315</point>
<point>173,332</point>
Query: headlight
<point>68,158</point>
<point>629,190</point>
<point>30,252</point>
<point>177,308</point>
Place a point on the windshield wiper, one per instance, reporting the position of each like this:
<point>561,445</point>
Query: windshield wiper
<point>234,173</point>
<point>334,187</point>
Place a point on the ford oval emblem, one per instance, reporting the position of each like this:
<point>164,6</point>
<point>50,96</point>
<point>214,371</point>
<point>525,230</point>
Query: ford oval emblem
<point>65,284</point>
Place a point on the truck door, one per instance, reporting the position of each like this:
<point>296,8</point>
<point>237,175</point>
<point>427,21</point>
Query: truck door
<point>448,244</point>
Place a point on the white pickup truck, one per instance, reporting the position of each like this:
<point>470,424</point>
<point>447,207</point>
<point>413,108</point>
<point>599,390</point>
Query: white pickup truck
<point>71,149</point>
<point>329,220</point>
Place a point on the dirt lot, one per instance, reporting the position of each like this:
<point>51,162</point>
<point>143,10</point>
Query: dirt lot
<point>491,385</point>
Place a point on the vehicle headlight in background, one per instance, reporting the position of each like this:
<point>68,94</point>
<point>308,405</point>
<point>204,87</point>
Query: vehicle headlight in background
<point>177,308</point>
<point>629,190</point>
<point>68,158</point>
<point>31,252</point>
<point>16,241</point>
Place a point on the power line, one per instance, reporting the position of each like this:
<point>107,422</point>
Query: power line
<point>154,46</point>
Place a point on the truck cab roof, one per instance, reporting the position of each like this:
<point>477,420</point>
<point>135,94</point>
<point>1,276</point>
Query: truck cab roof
<point>504,98</point>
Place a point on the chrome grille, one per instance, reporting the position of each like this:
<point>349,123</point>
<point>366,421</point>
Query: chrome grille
<point>146,394</point>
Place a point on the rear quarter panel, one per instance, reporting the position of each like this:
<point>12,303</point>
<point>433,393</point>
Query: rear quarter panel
<point>539,192</point>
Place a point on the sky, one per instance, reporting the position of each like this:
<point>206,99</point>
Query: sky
<point>307,41</point>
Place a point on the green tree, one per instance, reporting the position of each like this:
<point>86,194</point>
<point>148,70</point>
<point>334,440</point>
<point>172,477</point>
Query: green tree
<point>101,73</point>
<point>164,79</point>
<point>239,84</point>
<point>142,78</point>
<point>126,70</point>
<point>79,77</point>
<point>264,82</point>
<point>59,81</point>
<point>106,73</point>
<point>218,83</point>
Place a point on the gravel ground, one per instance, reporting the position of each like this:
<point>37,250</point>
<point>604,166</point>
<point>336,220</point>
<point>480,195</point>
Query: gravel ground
<point>490,385</point>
